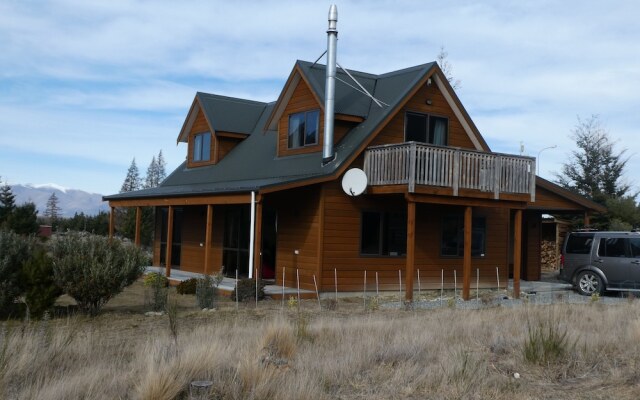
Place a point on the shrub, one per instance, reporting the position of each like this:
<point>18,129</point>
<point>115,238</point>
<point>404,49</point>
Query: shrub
<point>546,342</point>
<point>157,291</point>
<point>246,289</point>
<point>41,289</point>
<point>187,287</point>
<point>92,269</point>
<point>155,278</point>
<point>14,252</point>
<point>207,290</point>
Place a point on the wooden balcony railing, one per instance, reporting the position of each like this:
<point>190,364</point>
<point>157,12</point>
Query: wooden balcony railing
<point>414,164</point>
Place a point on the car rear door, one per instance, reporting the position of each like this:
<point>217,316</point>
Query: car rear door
<point>634,269</point>
<point>612,258</point>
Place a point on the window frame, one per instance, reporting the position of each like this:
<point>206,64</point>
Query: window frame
<point>460,235</point>
<point>198,149</point>
<point>384,234</point>
<point>305,115</point>
<point>430,136</point>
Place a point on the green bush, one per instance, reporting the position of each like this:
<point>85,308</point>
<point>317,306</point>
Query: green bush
<point>92,269</point>
<point>156,291</point>
<point>155,279</point>
<point>207,290</point>
<point>41,289</point>
<point>14,252</point>
<point>187,287</point>
<point>247,290</point>
<point>546,342</point>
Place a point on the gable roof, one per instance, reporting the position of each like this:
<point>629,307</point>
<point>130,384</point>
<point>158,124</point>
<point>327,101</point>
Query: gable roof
<point>228,114</point>
<point>564,195</point>
<point>253,164</point>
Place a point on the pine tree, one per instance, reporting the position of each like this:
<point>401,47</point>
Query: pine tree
<point>52,210</point>
<point>151,180</point>
<point>160,168</point>
<point>7,203</point>
<point>132,180</point>
<point>24,219</point>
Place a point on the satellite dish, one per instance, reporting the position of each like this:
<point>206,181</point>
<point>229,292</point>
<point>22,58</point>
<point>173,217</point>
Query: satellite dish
<point>354,182</point>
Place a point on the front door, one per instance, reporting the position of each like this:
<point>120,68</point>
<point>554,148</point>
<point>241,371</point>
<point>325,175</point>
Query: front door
<point>235,244</point>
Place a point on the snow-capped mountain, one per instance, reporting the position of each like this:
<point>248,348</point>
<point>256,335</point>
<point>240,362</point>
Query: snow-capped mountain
<point>70,201</point>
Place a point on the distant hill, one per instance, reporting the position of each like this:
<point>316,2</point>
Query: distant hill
<point>70,201</point>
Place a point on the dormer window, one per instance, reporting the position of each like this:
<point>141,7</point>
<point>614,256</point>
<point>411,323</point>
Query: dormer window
<point>425,128</point>
<point>303,129</point>
<point>202,147</point>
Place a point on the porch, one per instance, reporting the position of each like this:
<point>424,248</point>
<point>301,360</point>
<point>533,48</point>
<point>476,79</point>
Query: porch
<point>453,171</point>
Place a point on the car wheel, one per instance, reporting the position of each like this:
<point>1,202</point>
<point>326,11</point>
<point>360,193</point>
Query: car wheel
<point>589,283</point>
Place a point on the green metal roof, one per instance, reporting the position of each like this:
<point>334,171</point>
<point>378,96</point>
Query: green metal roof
<point>253,164</point>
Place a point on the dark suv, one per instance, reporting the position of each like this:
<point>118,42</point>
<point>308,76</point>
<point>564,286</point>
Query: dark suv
<point>597,261</point>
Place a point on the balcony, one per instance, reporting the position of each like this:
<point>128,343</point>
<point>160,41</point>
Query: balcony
<point>414,164</point>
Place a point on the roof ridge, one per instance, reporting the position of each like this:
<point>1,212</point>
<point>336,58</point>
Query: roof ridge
<point>231,99</point>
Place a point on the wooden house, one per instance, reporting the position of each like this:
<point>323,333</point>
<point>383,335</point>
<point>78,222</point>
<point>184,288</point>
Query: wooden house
<point>258,195</point>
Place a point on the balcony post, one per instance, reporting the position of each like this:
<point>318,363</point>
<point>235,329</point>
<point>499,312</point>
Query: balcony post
<point>412,167</point>
<point>532,182</point>
<point>517,253</point>
<point>497,173</point>
<point>456,171</point>
<point>466,264</point>
<point>411,250</point>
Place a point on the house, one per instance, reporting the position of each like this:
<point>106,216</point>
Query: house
<point>260,192</point>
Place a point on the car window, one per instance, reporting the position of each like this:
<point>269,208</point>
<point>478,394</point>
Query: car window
<point>612,247</point>
<point>579,244</point>
<point>635,247</point>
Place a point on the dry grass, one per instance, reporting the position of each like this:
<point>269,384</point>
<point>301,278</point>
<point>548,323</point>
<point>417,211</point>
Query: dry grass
<point>263,354</point>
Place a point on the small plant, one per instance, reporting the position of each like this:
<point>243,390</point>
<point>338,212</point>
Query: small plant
<point>157,292</point>
<point>547,342</point>
<point>155,278</point>
<point>187,287</point>
<point>246,289</point>
<point>292,303</point>
<point>373,304</point>
<point>595,297</point>
<point>451,303</point>
<point>207,290</point>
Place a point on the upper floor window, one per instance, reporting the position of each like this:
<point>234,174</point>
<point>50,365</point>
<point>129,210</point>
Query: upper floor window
<point>425,128</point>
<point>303,128</point>
<point>202,146</point>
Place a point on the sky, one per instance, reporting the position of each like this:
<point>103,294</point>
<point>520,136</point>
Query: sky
<point>87,86</point>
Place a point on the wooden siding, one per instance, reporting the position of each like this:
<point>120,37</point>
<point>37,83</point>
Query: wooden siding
<point>301,100</point>
<point>224,146</point>
<point>298,229</point>
<point>200,125</point>
<point>548,200</point>
<point>342,244</point>
<point>394,131</point>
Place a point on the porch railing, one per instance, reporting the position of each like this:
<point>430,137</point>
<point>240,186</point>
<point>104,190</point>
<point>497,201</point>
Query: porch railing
<point>414,163</point>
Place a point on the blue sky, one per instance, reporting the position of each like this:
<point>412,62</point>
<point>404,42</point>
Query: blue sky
<point>87,86</point>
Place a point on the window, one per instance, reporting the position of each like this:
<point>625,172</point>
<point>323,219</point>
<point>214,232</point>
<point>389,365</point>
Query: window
<point>579,243</point>
<point>425,128</point>
<point>303,129</point>
<point>453,236</point>
<point>612,247</point>
<point>383,233</point>
<point>202,147</point>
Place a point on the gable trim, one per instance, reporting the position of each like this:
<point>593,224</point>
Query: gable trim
<point>190,120</point>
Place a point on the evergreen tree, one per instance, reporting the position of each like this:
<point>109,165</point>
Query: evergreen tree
<point>7,203</point>
<point>151,179</point>
<point>24,219</point>
<point>595,169</point>
<point>132,180</point>
<point>52,211</point>
<point>160,168</point>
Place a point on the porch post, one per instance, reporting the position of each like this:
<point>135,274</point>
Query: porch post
<point>207,240</point>
<point>252,232</point>
<point>138,223</point>
<point>167,259</point>
<point>411,247</point>
<point>466,265</point>
<point>111,222</point>
<point>517,253</point>
<point>257,245</point>
<point>587,220</point>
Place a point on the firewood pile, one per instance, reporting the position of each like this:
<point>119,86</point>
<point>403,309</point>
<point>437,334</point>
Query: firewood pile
<point>548,259</point>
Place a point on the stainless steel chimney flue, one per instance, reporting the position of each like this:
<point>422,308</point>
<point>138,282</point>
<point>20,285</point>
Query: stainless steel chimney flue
<point>330,88</point>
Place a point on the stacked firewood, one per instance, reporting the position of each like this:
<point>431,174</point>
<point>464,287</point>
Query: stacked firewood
<point>548,258</point>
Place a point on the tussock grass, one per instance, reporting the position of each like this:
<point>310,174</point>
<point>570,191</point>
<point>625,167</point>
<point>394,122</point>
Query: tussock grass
<point>436,354</point>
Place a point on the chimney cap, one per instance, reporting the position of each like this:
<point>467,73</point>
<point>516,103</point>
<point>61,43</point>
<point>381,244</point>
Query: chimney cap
<point>333,13</point>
